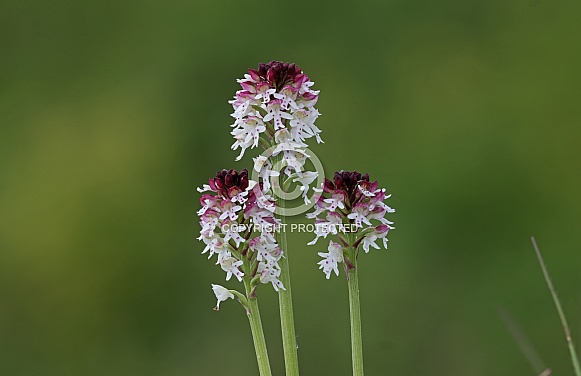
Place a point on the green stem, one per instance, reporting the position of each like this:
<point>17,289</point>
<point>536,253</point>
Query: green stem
<point>574,358</point>
<point>289,341</point>
<point>257,333</point>
<point>355,315</point>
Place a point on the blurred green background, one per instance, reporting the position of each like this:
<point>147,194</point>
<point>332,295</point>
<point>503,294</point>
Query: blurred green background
<point>112,112</point>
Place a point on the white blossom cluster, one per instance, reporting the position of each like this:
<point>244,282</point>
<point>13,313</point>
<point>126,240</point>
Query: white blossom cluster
<point>275,107</point>
<point>228,217</point>
<point>350,199</point>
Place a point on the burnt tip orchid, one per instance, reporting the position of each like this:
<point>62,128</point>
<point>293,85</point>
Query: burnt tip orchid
<point>352,208</point>
<point>275,99</point>
<point>238,227</point>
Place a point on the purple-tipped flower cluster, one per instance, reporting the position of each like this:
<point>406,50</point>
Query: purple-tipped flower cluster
<point>276,100</point>
<point>353,209</point>
<point>238,226</point>
<point>276,108</point>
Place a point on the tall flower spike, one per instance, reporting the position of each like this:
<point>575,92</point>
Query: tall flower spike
<point>275,108</point>
<point>276,103</point>
<point>234,220</point>
<point>353,209</point>
<point>355,214</point>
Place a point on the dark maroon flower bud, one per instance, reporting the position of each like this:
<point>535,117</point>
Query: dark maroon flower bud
<point>278,74</point>
<point>328,186</point>
<point>243,181</point>
<point>219,183</point>
<point>271,77</point>
<point>338,180</point>
<point>254,74</point>
<point>212,184</point>
<point>348,182</point>
<point>262,69</point>
<point>227,179</point>
<point>299,79</point>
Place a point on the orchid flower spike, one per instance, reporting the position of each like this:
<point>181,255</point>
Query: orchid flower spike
<point>351,208</point>
<point>275,108</point>
<point>238,227</point>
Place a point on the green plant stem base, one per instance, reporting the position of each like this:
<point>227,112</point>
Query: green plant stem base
<point>355,315</point>
<point>258,335</point>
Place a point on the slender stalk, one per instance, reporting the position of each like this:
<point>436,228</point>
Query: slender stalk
<point>287,323</point>
<point>566,329</point>
<point>355,315</point>
<point>257,333</point>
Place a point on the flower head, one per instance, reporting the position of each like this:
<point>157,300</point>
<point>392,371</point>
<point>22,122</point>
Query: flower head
<point>276,104</point>
<point>355,208</point>
<point>238,226</point>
